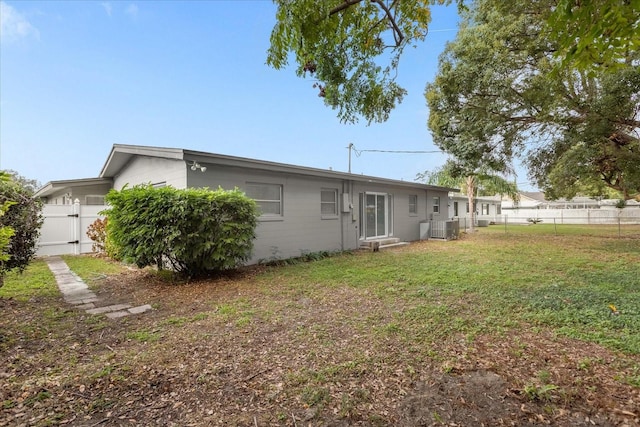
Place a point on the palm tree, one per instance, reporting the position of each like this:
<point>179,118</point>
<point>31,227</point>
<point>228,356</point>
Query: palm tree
<point>471,181</point>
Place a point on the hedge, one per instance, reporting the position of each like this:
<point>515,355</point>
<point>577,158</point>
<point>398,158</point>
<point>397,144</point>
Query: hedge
<point>191,231</point>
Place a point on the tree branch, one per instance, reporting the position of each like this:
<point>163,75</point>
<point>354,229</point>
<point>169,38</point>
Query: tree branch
<point>392,20</point>
<point>397,33</point>
<point>347,4</point>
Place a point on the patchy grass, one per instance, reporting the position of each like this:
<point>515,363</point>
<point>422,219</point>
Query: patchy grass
<point>36,281</point>
<point>93,268</point>
<point>495,328</point>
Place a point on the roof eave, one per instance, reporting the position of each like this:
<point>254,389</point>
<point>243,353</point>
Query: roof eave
<point>55,186</point>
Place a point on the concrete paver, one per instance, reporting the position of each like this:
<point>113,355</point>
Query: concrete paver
<point>139,309</point>
<point>108,308</point>
<point>117,314</point>
<point>76,292</point>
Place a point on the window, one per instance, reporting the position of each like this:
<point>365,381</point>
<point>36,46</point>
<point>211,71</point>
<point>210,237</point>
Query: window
<point>455,208</point>
<point>498,209</point>
<point>329,202</point>
<point>413,204</point>
<point>436,204</point>
<point>268,197</point>
<point>485,209</point>
<point>94,200</point>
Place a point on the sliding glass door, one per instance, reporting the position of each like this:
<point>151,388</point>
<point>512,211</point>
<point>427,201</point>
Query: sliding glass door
<point>376,219</point>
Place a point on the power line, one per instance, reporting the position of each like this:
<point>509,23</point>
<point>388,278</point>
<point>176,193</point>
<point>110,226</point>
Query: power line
<point>358,152</point>
<point>396,151</point>
<point>352,147</point>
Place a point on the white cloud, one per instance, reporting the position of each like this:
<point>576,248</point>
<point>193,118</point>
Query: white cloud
<point>14,26</point>
<point>107,7</point>
<point>132,10</point>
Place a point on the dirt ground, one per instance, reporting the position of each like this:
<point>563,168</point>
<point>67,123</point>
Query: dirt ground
<point>227,352</point>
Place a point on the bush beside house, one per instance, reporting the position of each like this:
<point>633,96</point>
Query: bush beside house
<point>191,231</point>
<point>20,224</point>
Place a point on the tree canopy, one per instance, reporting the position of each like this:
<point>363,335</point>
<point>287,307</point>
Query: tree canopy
<point>352,47</point>
<point>554,81</point>
<point>595,34</point>
<point>499,93</point>
<point>343,44</point>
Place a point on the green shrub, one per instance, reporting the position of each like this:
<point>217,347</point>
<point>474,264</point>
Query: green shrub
<point>192,231</point>
<point>20,224</point>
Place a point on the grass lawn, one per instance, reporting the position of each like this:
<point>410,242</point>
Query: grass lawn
<point>497,328</point>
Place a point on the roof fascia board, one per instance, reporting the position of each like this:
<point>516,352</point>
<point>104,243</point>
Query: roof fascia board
<point>243,162</point>
<point>54,186</point>
<point>121,154</point>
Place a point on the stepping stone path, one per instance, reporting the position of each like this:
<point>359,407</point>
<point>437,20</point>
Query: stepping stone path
<point>76,292</point>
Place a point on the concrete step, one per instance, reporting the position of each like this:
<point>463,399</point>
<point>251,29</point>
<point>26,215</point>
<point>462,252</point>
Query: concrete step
<point>377,244</point>
<point>394,245</point>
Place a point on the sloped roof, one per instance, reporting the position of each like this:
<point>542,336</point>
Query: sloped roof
<point>52,187</point>
<point>538,196</point>
<point>121,154</point>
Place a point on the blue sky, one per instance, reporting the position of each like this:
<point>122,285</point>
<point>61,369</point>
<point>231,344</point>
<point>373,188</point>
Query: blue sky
<point>78,76</point>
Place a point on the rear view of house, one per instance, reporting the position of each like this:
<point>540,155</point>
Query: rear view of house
<point>303,210</point>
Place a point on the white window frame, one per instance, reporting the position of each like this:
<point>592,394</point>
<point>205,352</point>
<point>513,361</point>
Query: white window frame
<point>86,199</point>
<point>413,205</point>
<point>436,204</point>
<point>260,202</point>
<point>329,204</point>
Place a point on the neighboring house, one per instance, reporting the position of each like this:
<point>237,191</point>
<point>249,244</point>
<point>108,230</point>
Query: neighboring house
<point>537,200</point>
<point>579,210</point>
<point>304,210</point>
<point>487,209</point>
<point>89,191</point>
<point>526,200</point>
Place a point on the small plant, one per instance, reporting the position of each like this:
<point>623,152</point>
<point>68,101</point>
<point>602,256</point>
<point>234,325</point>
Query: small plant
<point>143,336</point>
<point>104,372</point>
<point>97,232</point>
<point>621,203</point>
<point>534,220</point>
<point>542,393</point>
<point>314,396</point>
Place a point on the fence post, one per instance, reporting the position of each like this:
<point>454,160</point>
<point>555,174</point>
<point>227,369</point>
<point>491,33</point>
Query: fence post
<point>76,226</point>
<point>555,227</point>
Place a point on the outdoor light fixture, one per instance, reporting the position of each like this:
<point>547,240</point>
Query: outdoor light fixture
<point>195,166</point>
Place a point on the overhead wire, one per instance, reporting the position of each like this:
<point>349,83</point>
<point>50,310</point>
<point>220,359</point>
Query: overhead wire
<point>359,152</point>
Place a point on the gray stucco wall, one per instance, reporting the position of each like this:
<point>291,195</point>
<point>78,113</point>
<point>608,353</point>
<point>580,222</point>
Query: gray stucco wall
<point>406,226</point>
<point>301,228</point>
<point>152,170</point>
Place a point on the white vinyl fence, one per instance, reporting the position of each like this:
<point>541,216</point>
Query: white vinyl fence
<point>64,230</point>
<point>628,215</point>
